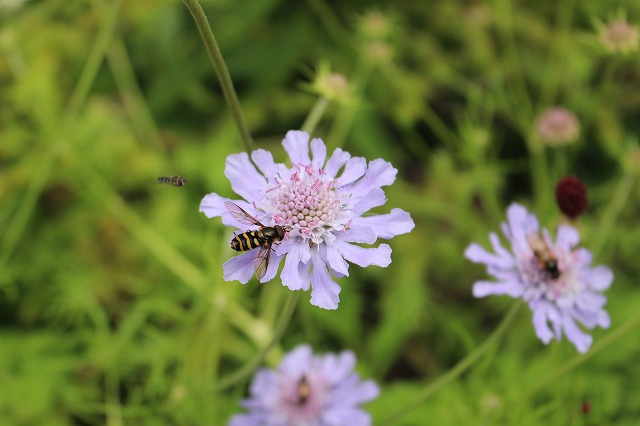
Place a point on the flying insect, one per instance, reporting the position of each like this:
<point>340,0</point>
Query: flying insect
<point>173,180</point>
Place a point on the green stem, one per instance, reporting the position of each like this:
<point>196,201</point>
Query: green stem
<point>539,174</point>
<point>456,371</point>
<point>42,172</point>
<point>603,343</point>
<point>132,97</point>
<point>96,55</point>
<point>248,369</point>
<point>315,115</point>
<point>610,216</point>
<point>221,69</point>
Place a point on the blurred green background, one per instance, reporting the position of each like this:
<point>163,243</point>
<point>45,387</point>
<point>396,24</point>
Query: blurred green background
<point>113,309</point>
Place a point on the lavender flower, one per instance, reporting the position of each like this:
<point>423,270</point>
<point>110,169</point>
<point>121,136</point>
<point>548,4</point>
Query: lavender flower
<point>321,209</point>
<point>555,279</point>
<point>308,390</point>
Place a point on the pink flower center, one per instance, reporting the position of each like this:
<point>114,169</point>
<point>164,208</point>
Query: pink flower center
<point>308,205</point>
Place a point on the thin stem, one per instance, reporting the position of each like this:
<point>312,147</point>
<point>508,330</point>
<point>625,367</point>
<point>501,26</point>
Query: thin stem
<point>221,69</point>
<point>132,97</point>
<point>610,216</point>
<point>456,371</point>
<point>315,115</point>
<point>248,369</point>
<point>539,174</point>
<point>42,172</point>
<point>96,55</point>
<point>604,342</point>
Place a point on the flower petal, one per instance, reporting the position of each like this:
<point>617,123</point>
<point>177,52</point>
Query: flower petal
<point>264,160</point>
<point>477,254</point>
<point>581,340</point>
<point>599,278</point>
<point>540,321</point>
<point>567,237</point>
<point>296,143</point>
<point>379,173</point>
<point>336,161</point>
<point>341,415</point>
<point>245,179</point>
<point>325,292</point>
<point>336,261</point>
<point>212,205</point>
<point>359,234</point>
<point>374,199</point>
<point>319,153</point>
<point>389,225</point>
<point>488,288</point>
<point>240,268</point>
<point>297,257</point>
<point>272,268</point>
<point>363,257</point>
<point>297,361</point>
<point>353,170</point>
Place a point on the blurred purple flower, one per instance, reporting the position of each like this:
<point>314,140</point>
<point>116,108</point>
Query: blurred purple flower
<point>555,279</point>
<point>308,390</point>
<point>321,208</point>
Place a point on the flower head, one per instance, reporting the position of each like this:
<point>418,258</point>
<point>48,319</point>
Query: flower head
<point>555,279</point>
<point>308,390</point>
<point>320,203</point>
<point>571,196</point>
<point>619,36</point>
<point>558,126</point>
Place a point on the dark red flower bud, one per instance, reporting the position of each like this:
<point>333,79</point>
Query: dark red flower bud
<point>571,196</point>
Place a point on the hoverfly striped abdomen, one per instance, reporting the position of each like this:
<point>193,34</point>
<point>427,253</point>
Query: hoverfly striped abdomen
<point>173,180</point>
<point>247,241</point>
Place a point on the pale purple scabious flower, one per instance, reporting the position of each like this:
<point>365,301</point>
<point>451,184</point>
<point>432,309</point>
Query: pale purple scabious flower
<point>555,279</point>
<point>308,390</point>
<point>321,204</point>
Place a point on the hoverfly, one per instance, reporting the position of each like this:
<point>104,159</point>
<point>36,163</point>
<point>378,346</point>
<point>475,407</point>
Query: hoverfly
<point>264,237</point>
<point>545,257</point>
<point>304,390</point>
<point>173,180</point>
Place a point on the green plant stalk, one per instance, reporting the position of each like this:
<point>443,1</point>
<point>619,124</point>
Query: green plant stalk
<point>457,370</point>
<point>132,97</point>
<point>221,69</point>
<point>113,409</point>
<point>317,111</point>
<point>344,120</point>
<point>603,343</point>
<point>248,369</point>
<point>539,173</point>
<point>610,215</point>
<point>45,166</point>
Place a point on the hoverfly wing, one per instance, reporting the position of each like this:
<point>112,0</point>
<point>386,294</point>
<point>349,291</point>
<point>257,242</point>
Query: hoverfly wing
<point>262,261</point>
<point>241,215</point>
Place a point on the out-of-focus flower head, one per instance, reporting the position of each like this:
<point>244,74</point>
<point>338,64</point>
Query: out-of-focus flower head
<point>571,196</point>
<point>331,85</point>
<point>556,279</point>
<point>557,126</point>
<point>375,25</point>
<point>618,35</point>
<point>308,390</point>
<point>321,204</point>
